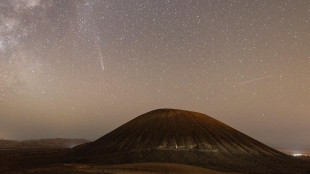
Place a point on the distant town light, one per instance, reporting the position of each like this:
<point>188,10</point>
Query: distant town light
<point>297,154</point>
<point>300,154</point>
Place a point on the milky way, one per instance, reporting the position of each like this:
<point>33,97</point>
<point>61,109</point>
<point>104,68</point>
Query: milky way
<point>81,68</point>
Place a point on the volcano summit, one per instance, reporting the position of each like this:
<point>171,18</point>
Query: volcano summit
<point>178,136</point>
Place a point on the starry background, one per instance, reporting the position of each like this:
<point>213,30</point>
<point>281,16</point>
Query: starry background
<point>79,69</point>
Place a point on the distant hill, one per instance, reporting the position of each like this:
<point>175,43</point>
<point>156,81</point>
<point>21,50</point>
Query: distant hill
<point>184,137</point>
<point>42,143</point>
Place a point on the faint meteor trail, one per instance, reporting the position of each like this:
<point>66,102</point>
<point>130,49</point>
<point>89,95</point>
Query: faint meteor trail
<point>101,61</point>
<point>253,80</point>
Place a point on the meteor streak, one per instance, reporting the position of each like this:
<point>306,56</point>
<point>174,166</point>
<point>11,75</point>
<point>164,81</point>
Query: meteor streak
<point>253,80</point>
<point>101,61</point>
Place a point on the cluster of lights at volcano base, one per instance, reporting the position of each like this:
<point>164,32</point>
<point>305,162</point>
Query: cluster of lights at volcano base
<point>300,154</point>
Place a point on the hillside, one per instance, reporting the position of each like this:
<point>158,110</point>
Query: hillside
<point>42,143</point>
<point>178,136</point>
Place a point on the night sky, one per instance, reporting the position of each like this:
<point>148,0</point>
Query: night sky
<point>79,69</point>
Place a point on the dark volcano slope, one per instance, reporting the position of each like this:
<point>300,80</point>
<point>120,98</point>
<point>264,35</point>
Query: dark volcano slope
<point>177,136</point>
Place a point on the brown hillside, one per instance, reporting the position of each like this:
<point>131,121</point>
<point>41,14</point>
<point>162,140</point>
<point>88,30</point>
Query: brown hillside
<point>177,136</point>
<point>42,143</point>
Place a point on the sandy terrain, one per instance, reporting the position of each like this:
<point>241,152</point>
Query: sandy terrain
<point>137,168</point>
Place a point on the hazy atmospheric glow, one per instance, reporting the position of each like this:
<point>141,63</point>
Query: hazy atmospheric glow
<point>78,68</point>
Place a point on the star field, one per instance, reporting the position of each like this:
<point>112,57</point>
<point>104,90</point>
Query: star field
<point>81,68</point>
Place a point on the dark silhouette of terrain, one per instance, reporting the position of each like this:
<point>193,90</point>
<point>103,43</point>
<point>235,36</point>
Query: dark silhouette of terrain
<point>17,156</point>
<point>178,136</point>
<point>42,143</point>
<point>160,141</point>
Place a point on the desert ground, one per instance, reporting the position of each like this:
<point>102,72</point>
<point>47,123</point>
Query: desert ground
<point>43,161</point>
